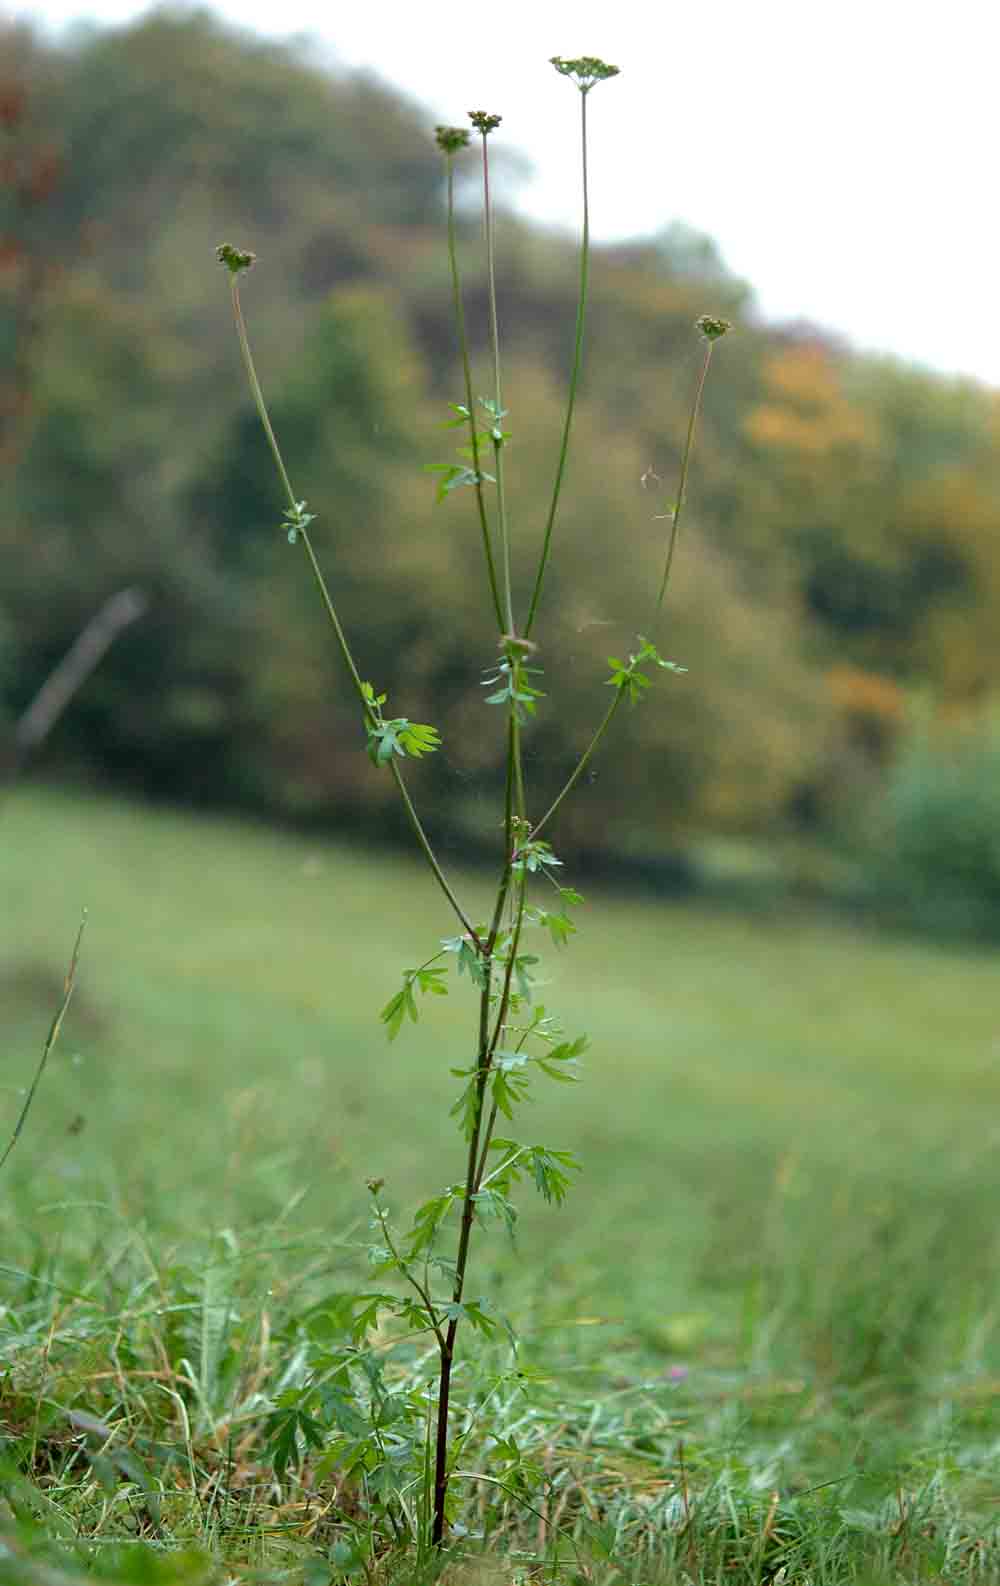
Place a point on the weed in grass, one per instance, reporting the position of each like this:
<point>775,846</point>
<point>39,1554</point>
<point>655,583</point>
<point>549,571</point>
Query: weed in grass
<point>50,1041</point>
<point>406,1450</point>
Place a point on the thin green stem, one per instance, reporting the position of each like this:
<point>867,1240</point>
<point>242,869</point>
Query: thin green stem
<point>488,222</point>
<point>682,487</point>
<point>515,940</point>
<point>503,885</point>
<point>508,834</point>
<point>581,765</point>
<point>468,1207</point>
<point>516,772</point>
<point>341,637</point>
<point>416,825</point>
<point>515,750</point>
<point>502,1167</point>
<point>50,1042</point>
<point>682,490</point>
<point>428,852</point>
<point>414,1283</point>
<point>463,342</point>
<point>265,419</point>
<point>491,1124</point>
<point>515,789</point>
<point>257,393</point>
<point>335,623</point>
<point>581,313</point>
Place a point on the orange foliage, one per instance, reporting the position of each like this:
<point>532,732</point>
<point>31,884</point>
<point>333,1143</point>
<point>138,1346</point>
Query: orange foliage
<point>806,413</point>
<point>872,706</point>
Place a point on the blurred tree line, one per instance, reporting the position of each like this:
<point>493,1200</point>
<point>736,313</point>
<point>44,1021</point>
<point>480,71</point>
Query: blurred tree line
<point>838,559</point>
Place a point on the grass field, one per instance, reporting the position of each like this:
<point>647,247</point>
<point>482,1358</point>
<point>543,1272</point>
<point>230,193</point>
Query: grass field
<point>760,1340</point>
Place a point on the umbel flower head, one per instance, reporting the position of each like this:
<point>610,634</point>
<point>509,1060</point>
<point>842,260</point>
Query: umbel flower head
<point>234,259</point>
<point>484,122</point>
<point>711,327</point>
<point>585,71</point>
<point>451,139</point>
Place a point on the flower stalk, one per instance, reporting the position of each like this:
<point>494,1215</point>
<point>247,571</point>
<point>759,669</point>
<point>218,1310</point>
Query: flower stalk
<point>712,330</point>
<point>237,261</point>
<point>585,72</point>
<point>485,124</point>
<point>451,140</point>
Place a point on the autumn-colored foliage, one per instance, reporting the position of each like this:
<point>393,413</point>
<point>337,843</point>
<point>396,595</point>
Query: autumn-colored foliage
<point>840,539</point>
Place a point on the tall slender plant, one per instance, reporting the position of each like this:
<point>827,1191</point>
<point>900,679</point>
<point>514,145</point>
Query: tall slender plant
<point>516,1038</point>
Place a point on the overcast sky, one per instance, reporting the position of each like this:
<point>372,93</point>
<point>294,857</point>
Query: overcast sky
<point>842,155</point>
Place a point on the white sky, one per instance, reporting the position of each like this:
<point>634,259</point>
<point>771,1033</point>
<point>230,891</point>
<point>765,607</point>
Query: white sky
<point>842,155</point>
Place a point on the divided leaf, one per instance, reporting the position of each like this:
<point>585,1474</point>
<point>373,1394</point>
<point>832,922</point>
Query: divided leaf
<point>515,690</point>
<point>401,737</point>
<point>548,1167</point>
<point>454,475</point>
<point>466,1109</point>
<point>290,1430</point>
<point>628,679</point>
<point>495,1204</point>
<point>473,1311</point>
<point>426,1222</point>
<point>398,736</point>
<point>428,981</point>
<point>469,960</point>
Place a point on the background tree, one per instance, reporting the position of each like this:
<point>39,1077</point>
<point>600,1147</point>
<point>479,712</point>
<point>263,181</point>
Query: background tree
<point>844,505</point>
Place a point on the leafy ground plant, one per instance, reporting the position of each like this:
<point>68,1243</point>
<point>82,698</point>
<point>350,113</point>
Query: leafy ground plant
<point>405,1444</point>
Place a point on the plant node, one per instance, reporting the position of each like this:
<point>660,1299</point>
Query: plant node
<point>512,644</point>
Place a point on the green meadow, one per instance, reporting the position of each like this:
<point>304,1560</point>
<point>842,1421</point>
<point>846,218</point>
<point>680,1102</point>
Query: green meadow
<point>758,1341</point>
